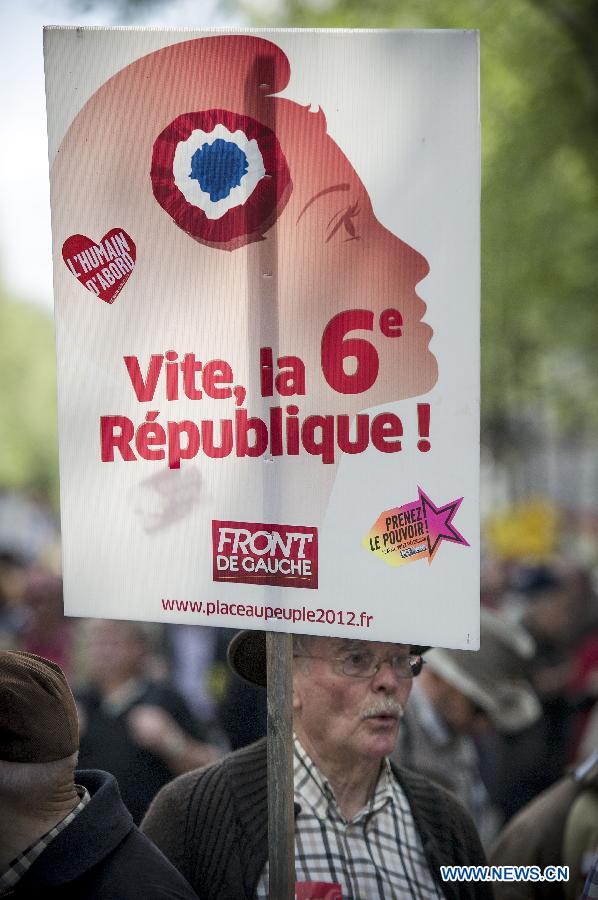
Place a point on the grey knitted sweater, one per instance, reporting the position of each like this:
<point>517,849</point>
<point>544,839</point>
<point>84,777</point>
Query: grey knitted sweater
<point>212,824</point>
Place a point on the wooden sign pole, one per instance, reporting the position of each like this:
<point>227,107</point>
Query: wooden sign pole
<point>263,325</point>
<point>281,813</point>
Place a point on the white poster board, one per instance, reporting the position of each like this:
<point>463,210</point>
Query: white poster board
<point>266,271</point>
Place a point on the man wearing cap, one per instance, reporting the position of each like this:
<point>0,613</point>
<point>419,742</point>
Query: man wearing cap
<point>364,828</point>
<point>64,836</point>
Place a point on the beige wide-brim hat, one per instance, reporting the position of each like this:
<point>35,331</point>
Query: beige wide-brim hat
<point>494,677</point>
<point>247,656</point>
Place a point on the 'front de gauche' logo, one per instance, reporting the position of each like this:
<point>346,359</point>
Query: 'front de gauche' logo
<point>258,553</point>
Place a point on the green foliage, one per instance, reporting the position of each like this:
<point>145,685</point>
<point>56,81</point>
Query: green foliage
<point>28,439</point>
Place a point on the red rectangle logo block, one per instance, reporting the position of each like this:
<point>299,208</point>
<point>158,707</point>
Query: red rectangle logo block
<point>258,553</point>
<point>318,890</point>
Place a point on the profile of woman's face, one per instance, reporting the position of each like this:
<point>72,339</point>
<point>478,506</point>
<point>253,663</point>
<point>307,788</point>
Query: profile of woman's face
<point>335,255</point>
<point>313,249</point>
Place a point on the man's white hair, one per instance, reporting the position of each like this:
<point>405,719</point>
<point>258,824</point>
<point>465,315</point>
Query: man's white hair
<point>35,779</point>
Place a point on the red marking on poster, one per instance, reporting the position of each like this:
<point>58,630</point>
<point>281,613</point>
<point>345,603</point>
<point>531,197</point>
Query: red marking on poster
<point>254,553</point>
<point>318,890</point>
<point>103,267</point>
<point>423,419</point>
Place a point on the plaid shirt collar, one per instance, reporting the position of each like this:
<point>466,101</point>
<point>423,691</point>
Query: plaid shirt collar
<point>314,791</point>
<point>25,860</point>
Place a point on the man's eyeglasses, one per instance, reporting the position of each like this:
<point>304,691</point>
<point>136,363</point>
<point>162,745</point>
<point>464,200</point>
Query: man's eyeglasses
<point>363,664</point>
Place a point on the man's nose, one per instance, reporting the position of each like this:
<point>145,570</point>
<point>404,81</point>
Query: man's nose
<point>386,679</point>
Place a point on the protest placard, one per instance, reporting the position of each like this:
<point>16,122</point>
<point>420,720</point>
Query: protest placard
<point>266,256</point>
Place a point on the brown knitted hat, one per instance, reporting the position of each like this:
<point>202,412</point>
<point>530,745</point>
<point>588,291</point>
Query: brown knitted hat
<point>38,716</point>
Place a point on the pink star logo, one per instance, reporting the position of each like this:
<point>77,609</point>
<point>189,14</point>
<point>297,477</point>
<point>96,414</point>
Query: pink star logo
<point>439,523</point>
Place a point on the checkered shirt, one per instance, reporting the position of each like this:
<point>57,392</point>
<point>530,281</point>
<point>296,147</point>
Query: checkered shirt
<point>378,855</point>
<point>24,860</point>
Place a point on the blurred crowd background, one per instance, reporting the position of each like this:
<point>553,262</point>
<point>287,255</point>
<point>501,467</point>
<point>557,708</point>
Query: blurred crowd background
<point>498,726</point>
<point>155,700</point>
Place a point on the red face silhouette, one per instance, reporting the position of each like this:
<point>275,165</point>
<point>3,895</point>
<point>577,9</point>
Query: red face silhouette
<point>305,245</point>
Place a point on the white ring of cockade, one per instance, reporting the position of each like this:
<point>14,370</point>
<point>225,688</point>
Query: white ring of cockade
<point>190,187</point>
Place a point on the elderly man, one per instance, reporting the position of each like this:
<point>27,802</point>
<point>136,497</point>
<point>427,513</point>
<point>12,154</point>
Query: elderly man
<point>363,827</point>
<point>64,837</point>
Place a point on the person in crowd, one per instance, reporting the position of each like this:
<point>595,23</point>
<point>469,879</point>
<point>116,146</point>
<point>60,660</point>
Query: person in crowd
<point>46,631</point>
<point>197,665</point>
<point>551,616</point>
<point>12,584</point>
<point>583,683</point>
<point>590,890</point>
<point>558,828</point>
<point>364,826</point>
<point>460,698</point>
<point>196,659</point>
<point>243,712</point>
<point>64,835</point>
<point>136,727</point>
<point>590,735</point>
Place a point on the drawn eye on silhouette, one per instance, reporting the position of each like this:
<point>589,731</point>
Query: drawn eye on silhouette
<point>344,220</point>
<point>221,176</point>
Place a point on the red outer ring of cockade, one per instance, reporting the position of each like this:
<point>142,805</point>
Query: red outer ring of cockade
<point>242,224</point>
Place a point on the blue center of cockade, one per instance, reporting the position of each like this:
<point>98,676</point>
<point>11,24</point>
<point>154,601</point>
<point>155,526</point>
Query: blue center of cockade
<point>218,168</point>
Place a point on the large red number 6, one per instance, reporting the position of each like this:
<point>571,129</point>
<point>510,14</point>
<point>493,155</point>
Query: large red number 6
<point>336,348</point>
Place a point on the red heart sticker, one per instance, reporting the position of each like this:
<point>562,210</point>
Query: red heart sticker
<point>104,266</point>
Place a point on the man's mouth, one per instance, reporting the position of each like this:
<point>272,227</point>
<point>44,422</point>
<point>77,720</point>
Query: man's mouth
<point>384,718</point>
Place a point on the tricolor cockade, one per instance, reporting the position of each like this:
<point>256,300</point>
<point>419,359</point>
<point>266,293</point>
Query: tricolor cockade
<point>221,176</point>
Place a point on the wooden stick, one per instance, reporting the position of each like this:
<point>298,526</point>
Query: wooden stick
<point>263,331</point>
<point>281,812</point>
